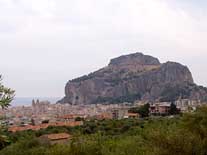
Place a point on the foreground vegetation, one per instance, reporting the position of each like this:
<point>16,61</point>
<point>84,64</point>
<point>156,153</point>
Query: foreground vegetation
<point>181,135</point>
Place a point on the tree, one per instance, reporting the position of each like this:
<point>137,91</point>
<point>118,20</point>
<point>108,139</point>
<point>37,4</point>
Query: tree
<point>173,109</point>
<point>196,122</point>
<point>79,119</point>
<point>143,110</point>
<point>45,121</point>
<point>32,121</point>
<point>134,110</point>
<point>6,95</point>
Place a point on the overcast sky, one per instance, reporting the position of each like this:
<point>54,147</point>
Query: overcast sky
<point>45,43</point>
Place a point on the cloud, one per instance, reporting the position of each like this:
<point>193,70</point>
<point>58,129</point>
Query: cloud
<point>71,37</point>
<point>153,17</point>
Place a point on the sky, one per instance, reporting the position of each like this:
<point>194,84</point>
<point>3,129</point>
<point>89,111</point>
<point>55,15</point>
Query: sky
<point>45,43</point>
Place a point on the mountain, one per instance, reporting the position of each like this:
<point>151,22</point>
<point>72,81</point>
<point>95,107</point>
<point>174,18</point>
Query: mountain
<point>134,77</point>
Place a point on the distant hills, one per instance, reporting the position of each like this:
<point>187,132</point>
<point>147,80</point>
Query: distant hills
<point>134,77</point>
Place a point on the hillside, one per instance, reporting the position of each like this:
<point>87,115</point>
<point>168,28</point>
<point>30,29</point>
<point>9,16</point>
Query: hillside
<point>134,77</point>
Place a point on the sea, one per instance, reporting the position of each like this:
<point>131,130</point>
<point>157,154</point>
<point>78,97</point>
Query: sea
<point>27,101</point>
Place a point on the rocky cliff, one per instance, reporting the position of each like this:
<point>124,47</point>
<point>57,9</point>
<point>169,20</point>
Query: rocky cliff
<point>134,77</point>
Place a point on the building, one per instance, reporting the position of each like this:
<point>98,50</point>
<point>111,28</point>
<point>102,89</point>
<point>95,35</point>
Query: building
<point>119,113</point>
<point>186,105</point>
<point>40,107</point>
<point>160,109</point>
<point>69,118</point>
<point>132,115</point>
<point>60,138</point>
<point>103,116</point>
<point>44,126</point>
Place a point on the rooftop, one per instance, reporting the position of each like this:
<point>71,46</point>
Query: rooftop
<point>57,136</point>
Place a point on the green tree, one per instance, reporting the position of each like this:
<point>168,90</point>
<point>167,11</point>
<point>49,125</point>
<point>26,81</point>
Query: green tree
<point>143,110</point>
<point>79,119</point>
<point>45,121</point>
<point>32,121</point>
<point>6,95</point>
<point>173,109</point>
<point>197,122</point>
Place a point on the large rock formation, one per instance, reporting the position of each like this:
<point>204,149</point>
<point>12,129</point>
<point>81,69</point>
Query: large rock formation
<point>134,77</point>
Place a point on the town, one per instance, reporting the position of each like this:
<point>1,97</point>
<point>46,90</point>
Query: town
<point>42,114</point>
